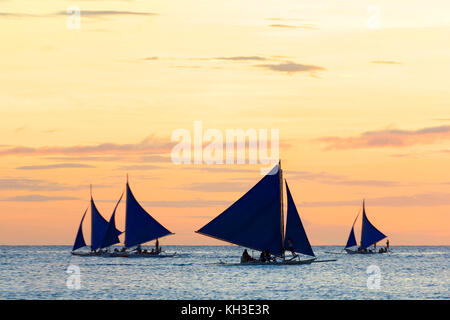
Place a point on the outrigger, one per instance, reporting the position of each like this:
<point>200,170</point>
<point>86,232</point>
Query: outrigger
<point>140,227</point>
<point>256,221</point>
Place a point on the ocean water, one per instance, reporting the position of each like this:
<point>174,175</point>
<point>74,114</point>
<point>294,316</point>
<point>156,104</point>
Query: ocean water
<point>40,272</point>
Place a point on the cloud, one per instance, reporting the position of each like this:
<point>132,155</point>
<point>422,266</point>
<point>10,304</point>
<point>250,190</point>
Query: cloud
<point>149,145</point>
<point>327,178</point>
<point>102,13</point>
<point>196,203</point>
<point>385,62</point>
<point>38,185</point>
<point>38,198</point>
<point>417,200</point>
<point>218,168</point>
<point>388,138</point>
<point>155,158</point>
<point>55,166</point>
<point>83,13</point>
<point>138,167</point>
<point>87,158</point>
<point>288,26</point>
<point>291,67</point>
<point>242,58</point>
<point>216,186</point>
<point>18,15</point>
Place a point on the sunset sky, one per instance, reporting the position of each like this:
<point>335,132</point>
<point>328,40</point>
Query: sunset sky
<point>358,89</point>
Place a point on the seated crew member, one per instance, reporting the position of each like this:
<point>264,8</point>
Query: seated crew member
<point>262,257</point>
<point>268,256</point>
<point>291,248</point>
<point>158,249</point>
<point>246,257</point>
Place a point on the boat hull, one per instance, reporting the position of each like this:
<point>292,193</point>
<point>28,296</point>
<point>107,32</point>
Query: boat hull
<point>123,255</point>
<point>292,262</point>
<point>362,252</point>
<point>87,254</point>
<point>138,255</point>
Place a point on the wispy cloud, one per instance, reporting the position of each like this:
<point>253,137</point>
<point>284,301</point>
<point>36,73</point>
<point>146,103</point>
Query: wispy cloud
<point>385,62</point>
<point>55,166</point>
<point>328,178</point>
<point>103,13</point>
<point>216,186</point>
<point>242,58</point>
<point>149,145</point>
<point>38,198</point>
<point>417,200</point>
<point>19,15</point>
<point>291,67</point>
<point>83,13</point>
<point>38,185</point>
<point>196,203</point>
<point>139,167</point>
<point>155,158</point>
<point>87,158</point>
<point>288,26</point>
<point>388,138</point>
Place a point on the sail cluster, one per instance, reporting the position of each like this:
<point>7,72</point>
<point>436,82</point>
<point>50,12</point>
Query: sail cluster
<point>140,227</point>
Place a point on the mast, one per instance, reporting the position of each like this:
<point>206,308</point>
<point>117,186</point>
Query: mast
<point>281,210</point>
<point>362,222</point>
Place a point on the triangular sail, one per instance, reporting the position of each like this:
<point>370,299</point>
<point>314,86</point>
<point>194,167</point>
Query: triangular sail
<point>98,228</point>
<point>140,227</point>
<point>294,229</point>
<point>112,234</point>
<point>253,221</point>
<point>351,242</point>
<point>369,234</point>
<point>79,240</point>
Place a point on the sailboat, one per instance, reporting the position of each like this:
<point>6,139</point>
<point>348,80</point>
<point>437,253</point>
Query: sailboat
<point>256,221</point>
<point>140,227</point>
<point>369,236</point>
<point>99,228</point>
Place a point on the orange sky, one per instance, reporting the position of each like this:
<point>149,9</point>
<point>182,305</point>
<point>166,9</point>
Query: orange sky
<point>359,94</point>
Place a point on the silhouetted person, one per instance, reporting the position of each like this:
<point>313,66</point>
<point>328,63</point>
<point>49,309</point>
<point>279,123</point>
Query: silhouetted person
<point>157,247</point>
<point>291,247</point>
<point>246,257</point>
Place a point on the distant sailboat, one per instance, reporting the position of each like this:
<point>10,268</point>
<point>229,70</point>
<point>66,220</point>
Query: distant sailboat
<point>99,228</point>
<point>256,221</point>
<point>369,236</point>
<point>140,227</point>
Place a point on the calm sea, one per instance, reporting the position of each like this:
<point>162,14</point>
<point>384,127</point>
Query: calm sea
<point>40,272</point>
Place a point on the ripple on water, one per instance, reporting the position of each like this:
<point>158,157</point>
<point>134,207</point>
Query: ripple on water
<point>196,273</point>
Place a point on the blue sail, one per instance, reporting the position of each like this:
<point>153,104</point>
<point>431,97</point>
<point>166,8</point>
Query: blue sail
<point>112,234</point>
<point>351,242</point>
<point>294,229</point>
<point>253,221</point>
<point>369,234</point>
<point>79,240</point>
<point>98,228</point>
<point>140,227</point>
